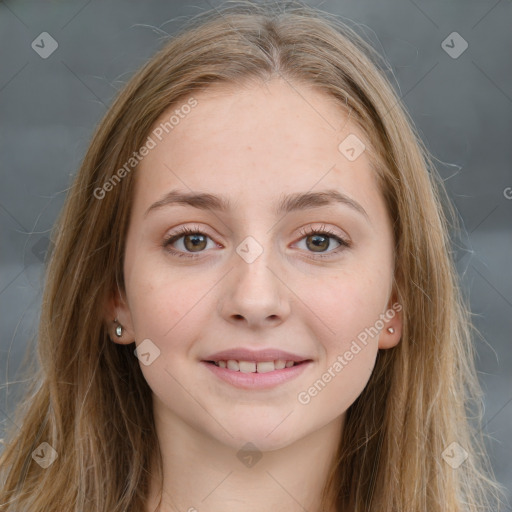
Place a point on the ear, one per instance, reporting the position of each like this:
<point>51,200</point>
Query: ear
<point>117,313</point>
<point>392,319</point>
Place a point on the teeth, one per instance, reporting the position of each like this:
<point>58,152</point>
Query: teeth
<point>247,366</point>
<point>233,365</point>
<point>255,367</point>
<point>266,366</point>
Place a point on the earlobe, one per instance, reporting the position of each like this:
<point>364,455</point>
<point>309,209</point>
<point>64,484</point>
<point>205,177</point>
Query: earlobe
<point>118,320</point>
<point>392,332</point>
<point>390,336</point>
<point>119,334</point>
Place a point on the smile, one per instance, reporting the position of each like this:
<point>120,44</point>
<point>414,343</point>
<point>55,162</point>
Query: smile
<point>252,375</point>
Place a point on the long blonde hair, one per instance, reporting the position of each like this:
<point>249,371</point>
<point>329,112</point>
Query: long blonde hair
<point>88,398</point>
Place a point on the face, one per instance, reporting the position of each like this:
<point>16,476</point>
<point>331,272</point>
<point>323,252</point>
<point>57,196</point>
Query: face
<point>310,283</point>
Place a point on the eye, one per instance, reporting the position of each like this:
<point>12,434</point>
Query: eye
<point>194,240</point>
<point>319,239</point>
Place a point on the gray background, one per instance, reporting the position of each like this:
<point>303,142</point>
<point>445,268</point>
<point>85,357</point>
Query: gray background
<point>461,106</point>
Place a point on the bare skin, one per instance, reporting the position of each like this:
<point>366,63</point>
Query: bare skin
<point>255,145</point>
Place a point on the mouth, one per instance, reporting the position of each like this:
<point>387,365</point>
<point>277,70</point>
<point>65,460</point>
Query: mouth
<point>249,369</point>
<point>260,375</point>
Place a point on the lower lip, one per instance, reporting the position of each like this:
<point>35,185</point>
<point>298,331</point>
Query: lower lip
<point>257,380</point>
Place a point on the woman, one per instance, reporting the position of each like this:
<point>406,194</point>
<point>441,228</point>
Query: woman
<point>251,302</point>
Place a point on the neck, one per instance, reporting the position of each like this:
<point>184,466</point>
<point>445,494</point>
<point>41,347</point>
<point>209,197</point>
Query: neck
<point>202,474</point>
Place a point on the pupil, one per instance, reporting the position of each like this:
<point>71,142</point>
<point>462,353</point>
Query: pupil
<point>316,240</point>
<point>194,241</point>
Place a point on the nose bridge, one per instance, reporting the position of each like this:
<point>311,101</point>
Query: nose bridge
<point>254,291</point>
<point>255,263</point>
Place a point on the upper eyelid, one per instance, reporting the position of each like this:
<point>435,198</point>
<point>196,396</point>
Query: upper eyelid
<point>184,230</point>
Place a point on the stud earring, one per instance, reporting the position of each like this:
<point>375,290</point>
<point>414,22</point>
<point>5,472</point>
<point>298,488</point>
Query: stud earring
<point>391,330</point>
<point>119,329</point>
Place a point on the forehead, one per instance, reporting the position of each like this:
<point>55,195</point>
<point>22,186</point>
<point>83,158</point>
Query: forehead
<point>262,137</point>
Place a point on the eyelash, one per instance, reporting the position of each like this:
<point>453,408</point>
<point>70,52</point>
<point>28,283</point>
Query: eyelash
<point>344,244</point>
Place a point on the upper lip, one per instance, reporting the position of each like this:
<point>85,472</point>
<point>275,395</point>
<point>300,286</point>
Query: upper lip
<point>245,354</point>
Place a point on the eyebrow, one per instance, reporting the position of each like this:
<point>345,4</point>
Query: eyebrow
<point>288,203</point>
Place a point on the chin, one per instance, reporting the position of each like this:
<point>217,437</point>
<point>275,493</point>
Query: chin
<point>264,437</point>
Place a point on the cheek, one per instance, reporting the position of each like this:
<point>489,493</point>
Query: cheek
<point>350,329</point>
<point>161,302</point>
<point>345,304</point>
<point>349,307</point>
<point>336,388</point>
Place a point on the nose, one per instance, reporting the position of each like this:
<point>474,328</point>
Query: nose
<point>254,294</point>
